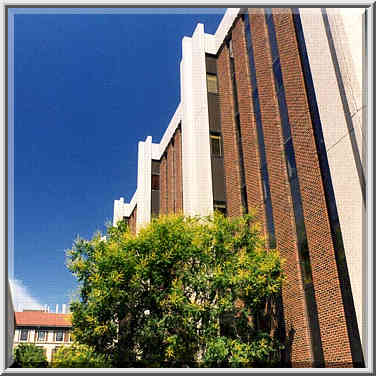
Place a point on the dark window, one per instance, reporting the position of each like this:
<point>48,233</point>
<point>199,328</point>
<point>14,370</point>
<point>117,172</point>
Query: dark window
<point>24,334</point>
<point>59,336</point>
<point>211,82</point>
<point>42,335</point>
<point>215,145</point>
<point>221,207</point>
<point>155,182</point>
<point>244,199</point>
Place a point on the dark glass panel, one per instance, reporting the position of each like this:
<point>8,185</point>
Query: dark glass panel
<point>24,334</point>
<point>59,336</point>
<point>215,145</point>
<point>155,182</point>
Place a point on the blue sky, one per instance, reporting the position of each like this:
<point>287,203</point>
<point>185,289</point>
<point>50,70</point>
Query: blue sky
<point>87,88</point>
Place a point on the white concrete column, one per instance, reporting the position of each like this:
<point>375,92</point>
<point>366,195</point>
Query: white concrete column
<point>196,162</point>
<point>144,183</point>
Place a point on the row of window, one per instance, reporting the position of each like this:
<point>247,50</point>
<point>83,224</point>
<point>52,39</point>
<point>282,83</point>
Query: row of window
<point>41,335</point>
<point>215,137</point>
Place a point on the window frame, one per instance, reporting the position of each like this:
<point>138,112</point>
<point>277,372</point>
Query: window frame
<point>218,205</point>
<point>62,338</point>
<point>218,138</point>
<point>27,335</point>
<point>214,78</point>
<point>159,182</point>
<point>45,335</point>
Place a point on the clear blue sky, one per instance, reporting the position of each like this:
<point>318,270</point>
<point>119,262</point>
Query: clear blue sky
<point>87,88</point>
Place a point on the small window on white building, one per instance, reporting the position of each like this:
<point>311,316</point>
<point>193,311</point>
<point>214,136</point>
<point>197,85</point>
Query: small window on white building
<point>59,335</point>
<point>24,334</point>
<point>42,335</point>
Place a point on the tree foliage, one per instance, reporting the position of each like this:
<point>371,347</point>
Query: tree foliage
<point>185,291</point>
<point>28,355</point>
<point>79,356</point>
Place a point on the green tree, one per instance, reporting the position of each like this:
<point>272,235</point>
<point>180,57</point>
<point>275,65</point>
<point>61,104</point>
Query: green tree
<point>27,355</point>
<point>79,356</point>
<point>185,291</point>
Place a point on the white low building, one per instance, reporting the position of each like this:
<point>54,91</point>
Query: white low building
<point>45,329</point>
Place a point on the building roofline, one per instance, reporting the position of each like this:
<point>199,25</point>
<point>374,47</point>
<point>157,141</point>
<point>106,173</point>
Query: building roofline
<point>212,46</point>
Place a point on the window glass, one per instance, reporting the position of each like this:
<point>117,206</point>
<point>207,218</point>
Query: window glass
<point>215,145</point>
<point>155,182</point>
<point>211,82</point>
<point>42,335</point>
<point>220,206</point>
<point>24,334</point>
<point>59,336</point>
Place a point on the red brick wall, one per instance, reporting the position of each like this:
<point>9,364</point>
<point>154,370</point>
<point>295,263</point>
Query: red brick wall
<point>247,123</point>
<point>170,179</point>
<point>178,172</point>
<point>292,292</point>
<point>132,220</point>
<point>230,149</point>
<point>335,341</point>
<point>163,186</point>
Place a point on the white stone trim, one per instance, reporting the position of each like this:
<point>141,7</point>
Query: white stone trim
<point>210,44</point>
<point>122,209</point>
<point>196,162</point>
<point>225,25</point>
<point>144,183</point>
<point>175,121</point>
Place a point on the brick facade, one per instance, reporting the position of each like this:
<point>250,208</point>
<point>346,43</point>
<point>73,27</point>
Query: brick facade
<point>163,186</point>
<point>230,149</point>
<point>247,123</point>
<point>170,178</point>
<point>178,172</point>
<point>133,220</point>
<point>296,325</point>
<point>335,341</point>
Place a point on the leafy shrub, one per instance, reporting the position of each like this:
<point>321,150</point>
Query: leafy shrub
<point>27,355</point>
<point>79,356</point>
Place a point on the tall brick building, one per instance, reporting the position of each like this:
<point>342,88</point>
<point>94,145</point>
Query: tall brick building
<point>271,117</point>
